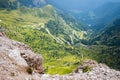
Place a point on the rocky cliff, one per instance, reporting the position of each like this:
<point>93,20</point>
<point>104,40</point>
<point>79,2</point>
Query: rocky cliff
<point>19,62</point>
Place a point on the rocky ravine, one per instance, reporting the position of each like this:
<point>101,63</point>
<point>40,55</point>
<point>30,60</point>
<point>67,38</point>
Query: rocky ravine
<point>16,58</point>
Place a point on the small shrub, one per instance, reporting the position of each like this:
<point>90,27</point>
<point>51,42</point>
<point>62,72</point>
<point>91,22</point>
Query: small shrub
<point>30,70</point>
<point>76,63</point>
<point>86,69</point>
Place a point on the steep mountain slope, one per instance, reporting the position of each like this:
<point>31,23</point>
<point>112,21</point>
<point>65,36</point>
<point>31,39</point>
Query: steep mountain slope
<point>42,18</point>
<point>109,37</point>
<point>46,31</point>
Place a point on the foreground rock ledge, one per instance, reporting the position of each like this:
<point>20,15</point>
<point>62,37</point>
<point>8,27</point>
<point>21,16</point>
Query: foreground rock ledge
<point>16,57</point>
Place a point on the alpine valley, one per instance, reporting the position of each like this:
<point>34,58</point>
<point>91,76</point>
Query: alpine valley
<point>65,39</point>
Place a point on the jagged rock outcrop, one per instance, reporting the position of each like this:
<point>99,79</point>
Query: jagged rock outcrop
<point>34,61</point>
<point>97,72</point>
<point>16,58</point>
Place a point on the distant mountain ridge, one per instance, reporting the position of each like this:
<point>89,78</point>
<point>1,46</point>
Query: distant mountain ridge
<point>99,17</point>
<point>110,35</point>
<point>13,4</point>
<point>105,14</point>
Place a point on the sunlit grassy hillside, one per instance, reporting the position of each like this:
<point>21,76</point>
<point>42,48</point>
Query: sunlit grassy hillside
<point>32,26</point>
